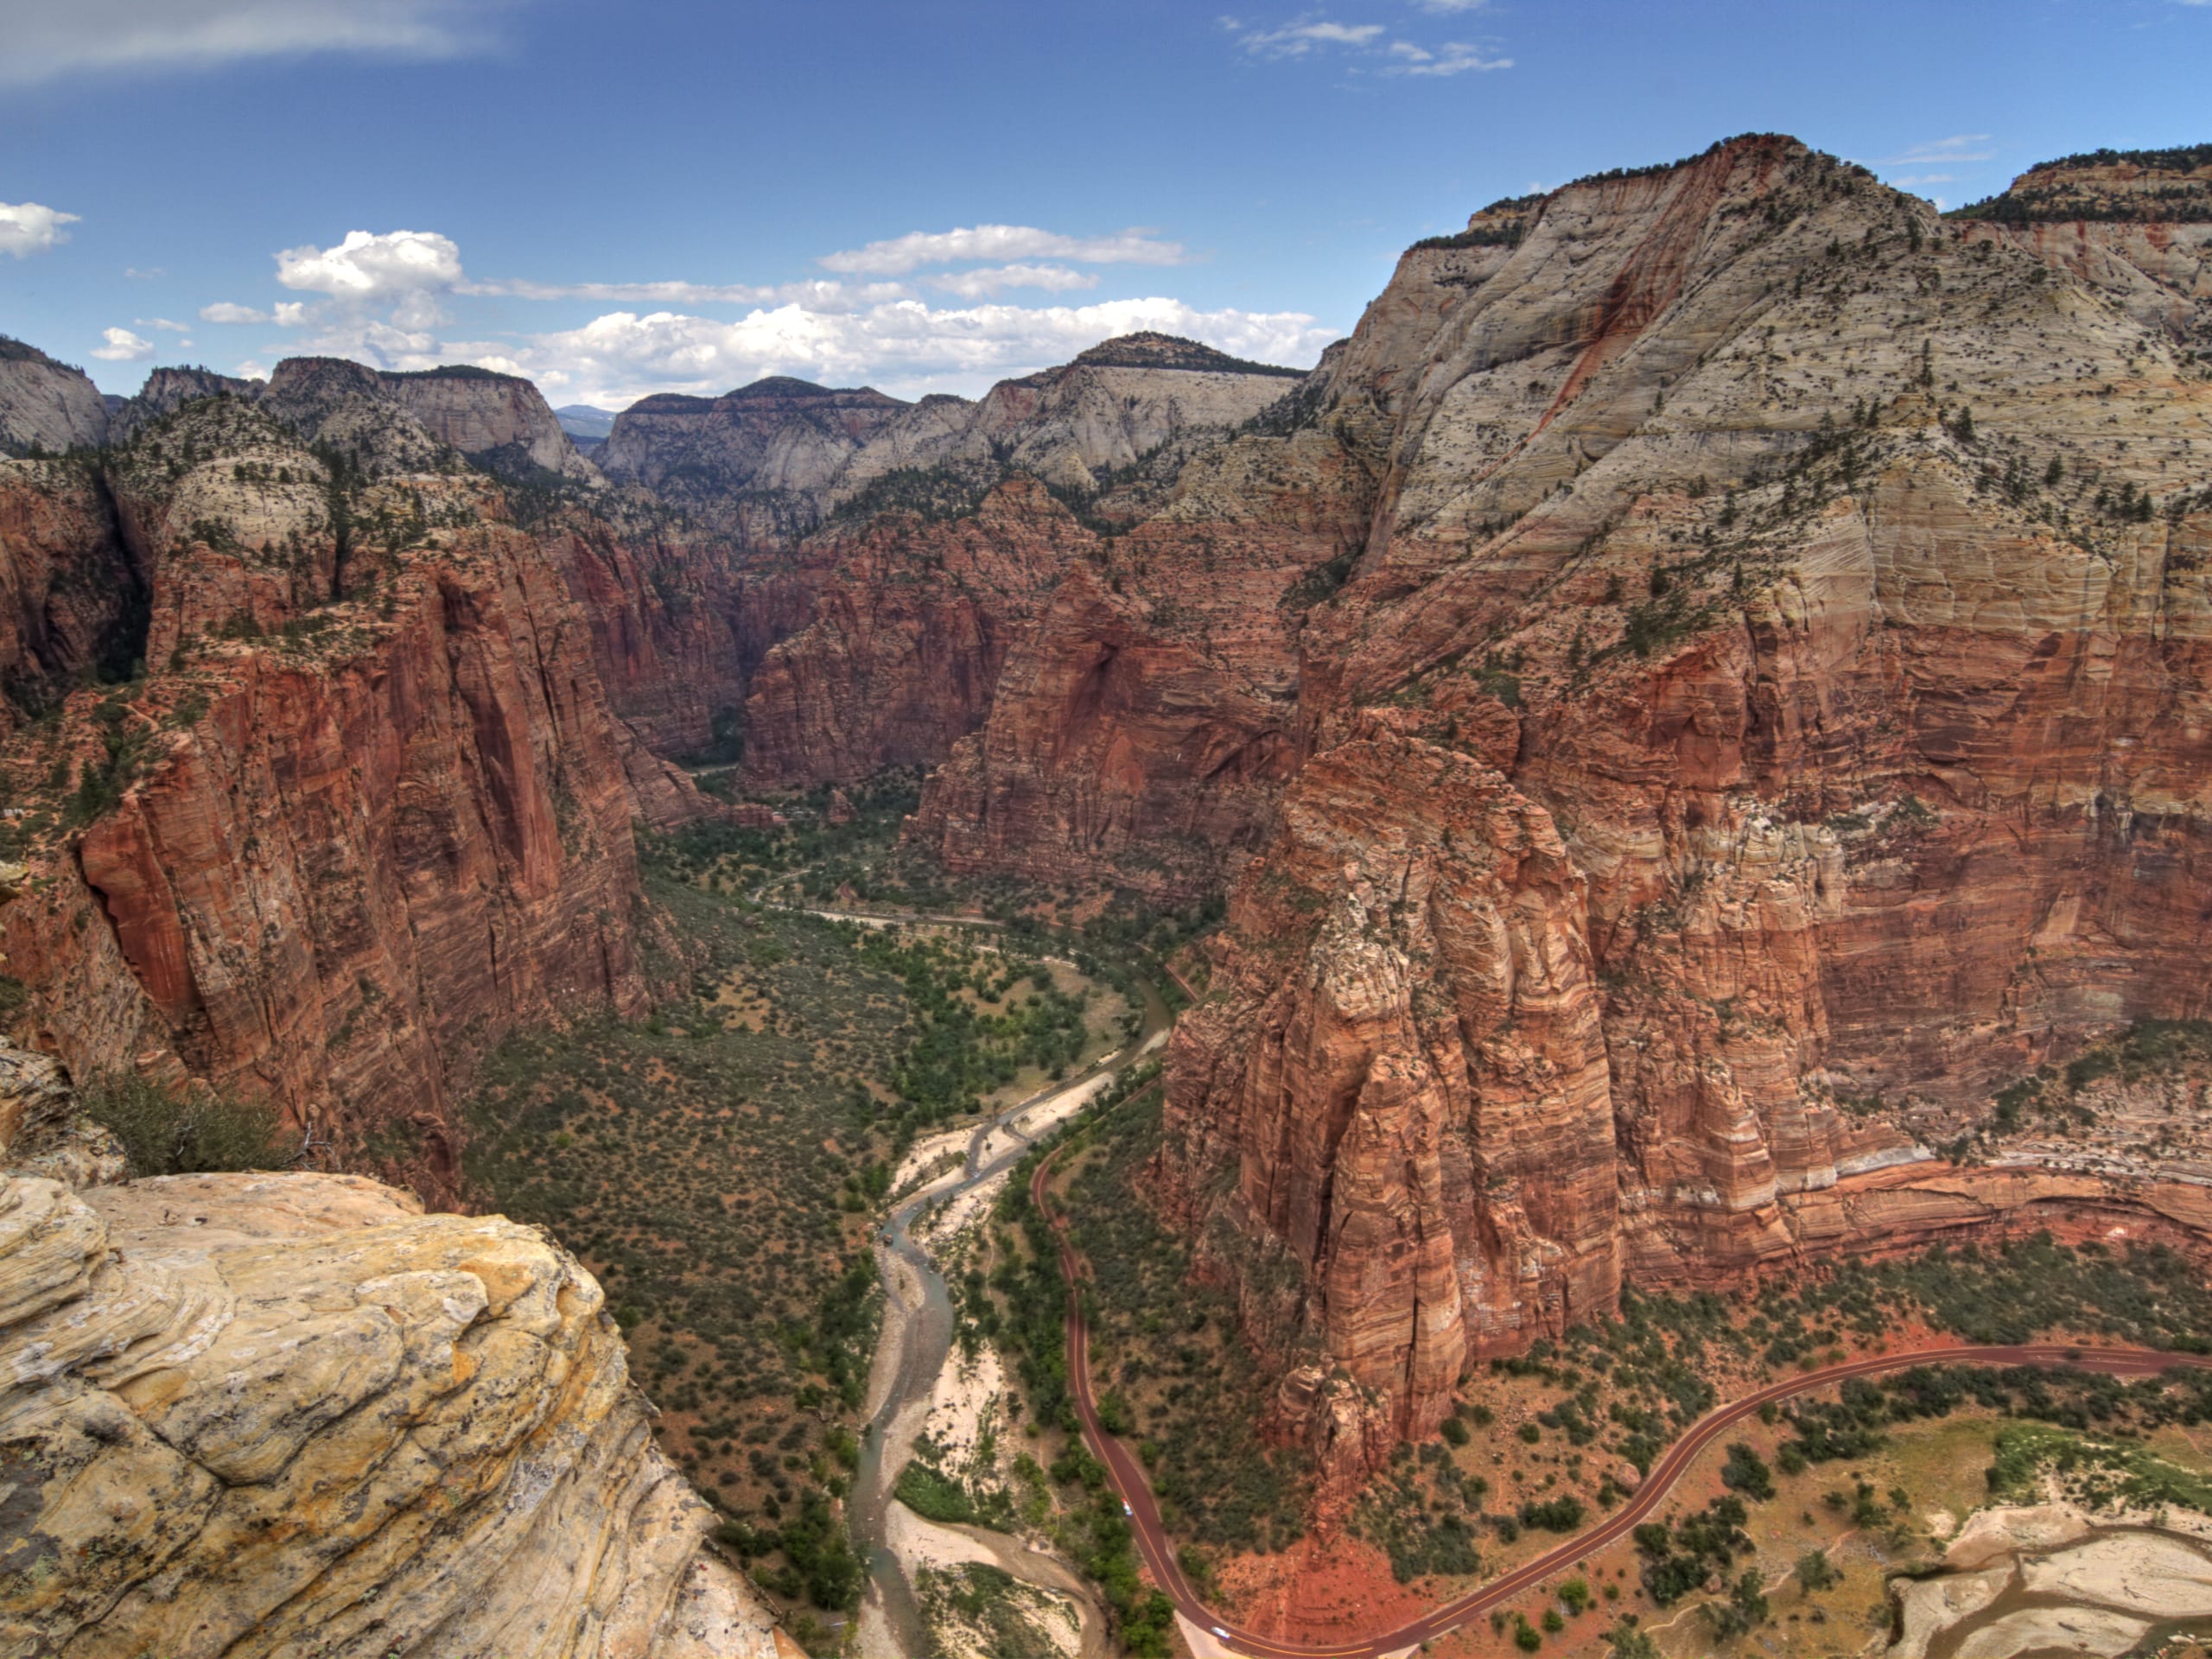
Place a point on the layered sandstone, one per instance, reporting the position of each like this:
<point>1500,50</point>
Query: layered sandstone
<point>910,630</point>
<point>168,389</point>
<point>282,1414</point>
<point>371,811</point>
<point>770,461</point>
<point>45,405</point>
<point>1827,578</point>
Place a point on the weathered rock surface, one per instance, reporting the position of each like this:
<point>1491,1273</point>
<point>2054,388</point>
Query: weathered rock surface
<point>290,1414</point>
<point>498,421</point>
<point>769,460</point>
<point>371,811</point>
<point>45,405</point>
<point>910,630</point>
<point>168,389</point>
<point>1866,729</point>
<point>71,599</point>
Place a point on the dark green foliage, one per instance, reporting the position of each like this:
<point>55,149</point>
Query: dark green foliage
<point>1553,1514</point>
<point>1224,1487</point>
<point>1745,1471</point>
<point>929,1493</point>
<point>170,1131</point>
<point>1516,215</point>
<point>1677,1558</point>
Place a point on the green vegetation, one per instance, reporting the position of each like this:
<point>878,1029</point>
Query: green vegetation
<point>1516,214</point>
<point>2095,1471</point>
<point>707,1163</point>
<point>1397,1514</point>
<point>166,1130</point>
<point>1002,1617</point>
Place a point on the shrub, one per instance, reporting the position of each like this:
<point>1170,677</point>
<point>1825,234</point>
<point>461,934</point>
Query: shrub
<point>170,1131</point>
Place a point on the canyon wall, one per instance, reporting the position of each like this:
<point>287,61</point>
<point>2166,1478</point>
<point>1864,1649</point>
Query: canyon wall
<point>1823,580</point>
<point>369,811</point>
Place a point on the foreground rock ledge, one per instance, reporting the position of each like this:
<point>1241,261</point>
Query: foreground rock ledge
<point>292,1414</point>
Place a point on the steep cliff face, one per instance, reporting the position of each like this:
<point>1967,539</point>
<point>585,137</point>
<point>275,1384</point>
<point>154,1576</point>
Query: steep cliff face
<point>291,1414</point>
<point>45,405</point>
<point>1407,1073</point>
<point>1824,583</point>
<point>168,389</point>
<point>760,460</point>
<point>370,811</point>
<point>909,631</point>
<point>71,598</point>
<point>1142,727</point>
<point>498,423</point>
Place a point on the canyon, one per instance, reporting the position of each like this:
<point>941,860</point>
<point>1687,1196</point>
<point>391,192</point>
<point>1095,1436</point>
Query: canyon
<point>1704,687</point>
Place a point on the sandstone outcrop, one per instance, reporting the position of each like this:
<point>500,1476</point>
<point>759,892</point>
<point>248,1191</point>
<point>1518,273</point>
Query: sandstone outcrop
<point>770,460</point>
<point>909,632</point>
<point>168,389</point>
<point>72,601</point>
<point>289,1414</point>
<point>1744,524</point>
<point>45,405</point>
<point>370,810</point>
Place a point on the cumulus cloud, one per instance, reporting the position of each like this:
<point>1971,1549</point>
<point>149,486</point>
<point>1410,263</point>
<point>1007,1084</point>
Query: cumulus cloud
<point>378,298</point>
<point>370,266</point>
<point>46,40</point>
<point>162,323</point>
<point>1001,243</point>
<point>27,228</point>
<point>904,346</point>
<point>122,346</point>
<point>989,280</point>
<point>817,291</point>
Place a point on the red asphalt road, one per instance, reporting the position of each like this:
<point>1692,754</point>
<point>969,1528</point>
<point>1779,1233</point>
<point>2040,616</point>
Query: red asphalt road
<point>1129,1484</point>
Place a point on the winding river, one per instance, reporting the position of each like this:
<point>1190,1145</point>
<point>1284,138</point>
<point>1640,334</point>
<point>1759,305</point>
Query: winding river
<point>916,1337</point>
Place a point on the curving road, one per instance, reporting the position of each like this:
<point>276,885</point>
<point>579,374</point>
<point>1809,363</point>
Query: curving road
<point>1128,1478</point>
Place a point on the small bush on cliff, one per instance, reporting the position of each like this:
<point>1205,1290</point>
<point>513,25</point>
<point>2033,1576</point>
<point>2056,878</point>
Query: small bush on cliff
<point>170,1131</point>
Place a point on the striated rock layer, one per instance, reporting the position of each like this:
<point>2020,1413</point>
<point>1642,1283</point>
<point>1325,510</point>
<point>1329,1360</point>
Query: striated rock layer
<point>1717,674</point>
<point>290,1414</point>
<point>371,811</point>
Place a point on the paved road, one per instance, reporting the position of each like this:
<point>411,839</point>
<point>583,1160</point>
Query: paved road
<point>1128,1478</point>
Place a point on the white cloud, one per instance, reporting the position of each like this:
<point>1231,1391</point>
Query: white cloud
<point>982,284</point>
<point>815,291</point>
<point>1924,178</point>
<point>899,255</point>
<point>1451,5</point>
<point>1296,40</point>
<point>1959,147</point>
<point>152,273</point>
<point>45,40</point>
<point>1453,58</point>
<point>288,314</point>
<point>902,347</point>
<point>368,266</point>
<point>27,228</point>
<point>162,322</point>
<point>122,346</point>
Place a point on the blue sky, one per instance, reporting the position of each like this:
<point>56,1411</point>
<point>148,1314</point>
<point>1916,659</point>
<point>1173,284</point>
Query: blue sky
<point>676,196</point>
